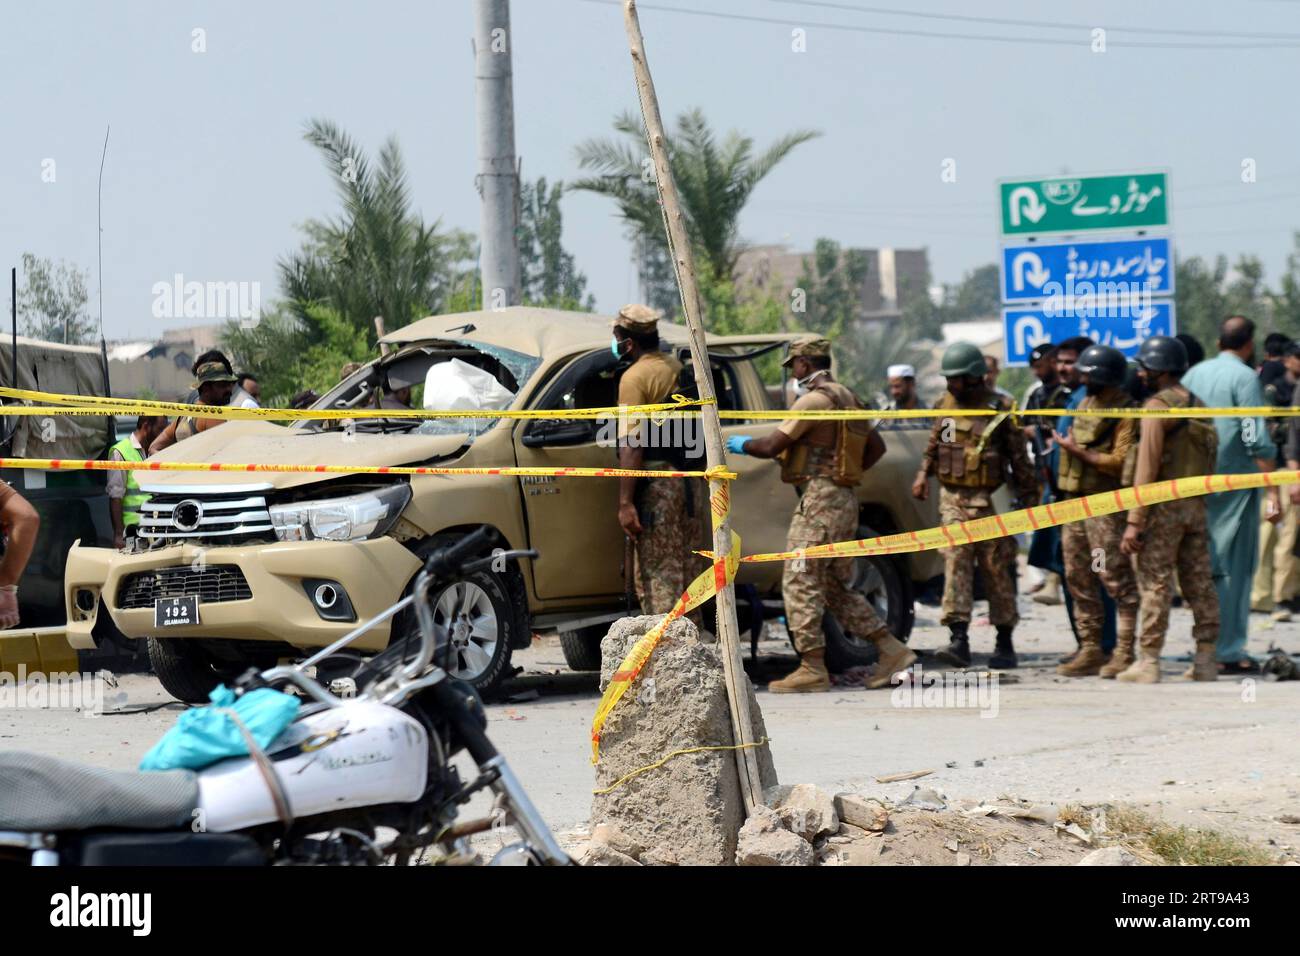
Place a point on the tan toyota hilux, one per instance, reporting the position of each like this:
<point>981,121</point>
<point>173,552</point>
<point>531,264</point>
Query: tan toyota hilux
<point>235,570</point>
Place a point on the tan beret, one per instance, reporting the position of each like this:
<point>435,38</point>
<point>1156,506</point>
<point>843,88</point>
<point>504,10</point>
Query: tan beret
<point>638,318</point>
<point>810,346</point>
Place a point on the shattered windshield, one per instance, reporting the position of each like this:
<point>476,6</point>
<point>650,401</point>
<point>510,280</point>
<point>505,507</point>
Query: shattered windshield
<point>444,374</point>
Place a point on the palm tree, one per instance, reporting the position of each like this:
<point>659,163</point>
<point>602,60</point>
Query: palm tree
<point>377,257</point>
<point>714,180</point>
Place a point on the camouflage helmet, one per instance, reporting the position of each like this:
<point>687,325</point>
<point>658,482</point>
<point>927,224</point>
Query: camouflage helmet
<point>1161,353</point>
<point>962,358</point>
<point>1103,365</point>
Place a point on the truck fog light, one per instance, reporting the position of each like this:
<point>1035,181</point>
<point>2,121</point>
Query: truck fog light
<point>329,600</point>
<point>86,600</point>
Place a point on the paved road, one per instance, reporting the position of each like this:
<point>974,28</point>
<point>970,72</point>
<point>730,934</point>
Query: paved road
<point>1221,754</point>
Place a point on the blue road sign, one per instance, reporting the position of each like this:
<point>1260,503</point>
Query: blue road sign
<point>1123,327</point>
<point>1102,268</point>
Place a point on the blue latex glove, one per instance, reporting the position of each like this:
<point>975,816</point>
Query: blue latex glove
<point>736,444</point>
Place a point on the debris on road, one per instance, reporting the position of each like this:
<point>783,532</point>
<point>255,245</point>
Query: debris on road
<point>910,775</point>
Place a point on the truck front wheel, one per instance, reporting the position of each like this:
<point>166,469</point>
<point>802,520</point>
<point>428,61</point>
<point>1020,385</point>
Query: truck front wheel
<point>477,619</point>
<point>184,668</point>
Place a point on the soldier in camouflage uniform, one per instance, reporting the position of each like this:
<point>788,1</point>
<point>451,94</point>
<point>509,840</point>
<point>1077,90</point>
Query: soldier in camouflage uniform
<point>1172,536</point>
<point>825,461</point>
<point>1092,461</point>
<point>971,456</point>
<point>651,511</point>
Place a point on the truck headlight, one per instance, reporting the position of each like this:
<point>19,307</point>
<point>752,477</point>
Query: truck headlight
<point>351,518</point>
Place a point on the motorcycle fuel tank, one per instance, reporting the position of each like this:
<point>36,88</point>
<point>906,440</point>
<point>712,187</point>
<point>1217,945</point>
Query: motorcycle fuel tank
<point>359,754</point>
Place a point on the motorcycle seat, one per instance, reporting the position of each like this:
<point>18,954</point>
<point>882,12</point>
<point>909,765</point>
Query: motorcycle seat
<point>46,794</point>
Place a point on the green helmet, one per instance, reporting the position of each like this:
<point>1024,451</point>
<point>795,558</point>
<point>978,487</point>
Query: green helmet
<point>1162,353</point>
<point>1103,365</point>
<point>962,358</point>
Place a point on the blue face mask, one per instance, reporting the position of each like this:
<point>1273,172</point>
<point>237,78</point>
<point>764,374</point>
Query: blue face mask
<point>613,347</point>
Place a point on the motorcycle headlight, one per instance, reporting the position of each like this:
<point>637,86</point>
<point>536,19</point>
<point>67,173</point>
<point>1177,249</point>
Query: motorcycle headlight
<point>351,518</point>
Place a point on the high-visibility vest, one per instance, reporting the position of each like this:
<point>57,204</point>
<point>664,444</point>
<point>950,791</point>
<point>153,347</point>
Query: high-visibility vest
<point>133,498</point>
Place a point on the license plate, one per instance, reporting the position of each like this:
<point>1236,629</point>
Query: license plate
<point>174,611</point>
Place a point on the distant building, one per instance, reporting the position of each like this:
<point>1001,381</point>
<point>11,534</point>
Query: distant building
<point>894,277</point>
<point>160,366</point>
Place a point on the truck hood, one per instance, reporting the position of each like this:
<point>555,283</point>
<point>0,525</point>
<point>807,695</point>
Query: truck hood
<point>265,443</point>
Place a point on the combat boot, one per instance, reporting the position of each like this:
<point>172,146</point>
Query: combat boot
<point>1089,661</point>
<point>1120,659</point>
<point>1050,592</point>
<point>811,676</point>
<point>1145,670</point>
<point>957,653</point>
<point>895,657</point>
<point>1004,652</point>
<point>1203,665</point>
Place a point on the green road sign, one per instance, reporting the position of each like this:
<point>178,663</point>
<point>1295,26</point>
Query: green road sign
<point>1084,203</point>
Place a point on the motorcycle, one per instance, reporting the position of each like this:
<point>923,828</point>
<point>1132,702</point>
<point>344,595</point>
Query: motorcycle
<point>362,776</point>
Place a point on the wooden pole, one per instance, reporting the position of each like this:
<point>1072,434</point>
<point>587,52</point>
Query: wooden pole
<point>751,787</point>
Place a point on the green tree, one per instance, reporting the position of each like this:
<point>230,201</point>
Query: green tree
<point>288,354</point>
<point>548,274</point>
<point>377,257</point>
<point>1206,293</point>
<point>715,178</point>
<point>977,296</point>
<point>52,301</point>
<point>1285,302</point>
<point>832,283</point>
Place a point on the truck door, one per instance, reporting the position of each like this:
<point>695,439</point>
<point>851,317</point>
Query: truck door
<point>573,522</point>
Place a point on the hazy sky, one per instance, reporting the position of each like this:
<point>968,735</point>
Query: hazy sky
<point>208,176</point>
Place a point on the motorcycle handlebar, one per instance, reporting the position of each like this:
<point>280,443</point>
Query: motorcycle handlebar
<point>446,562</point>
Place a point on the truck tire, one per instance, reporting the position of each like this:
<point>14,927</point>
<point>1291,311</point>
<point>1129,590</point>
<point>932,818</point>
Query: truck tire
<point>582,647</point>
<point>183,668</point>
<point>484,614</point>
<point>883,580</point>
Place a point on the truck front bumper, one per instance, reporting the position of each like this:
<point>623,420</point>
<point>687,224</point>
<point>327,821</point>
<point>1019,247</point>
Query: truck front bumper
<point>373,574</point>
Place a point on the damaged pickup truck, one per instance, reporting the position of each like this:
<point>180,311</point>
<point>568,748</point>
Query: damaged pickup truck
<point>237,570</point>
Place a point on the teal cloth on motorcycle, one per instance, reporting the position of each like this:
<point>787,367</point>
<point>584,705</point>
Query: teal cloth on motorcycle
<point>204,735</point>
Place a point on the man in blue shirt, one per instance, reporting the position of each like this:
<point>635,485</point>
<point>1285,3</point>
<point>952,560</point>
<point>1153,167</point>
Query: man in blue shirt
<point>1245,447</point>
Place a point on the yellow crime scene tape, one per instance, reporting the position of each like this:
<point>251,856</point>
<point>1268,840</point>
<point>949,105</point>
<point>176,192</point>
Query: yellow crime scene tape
<point>98,405</point>
<point>851,414</point>
<point>719,574</point>
<point>680,406</point>
<point>946,536</point>
<point>1040,516</point>
<point>88,464</point>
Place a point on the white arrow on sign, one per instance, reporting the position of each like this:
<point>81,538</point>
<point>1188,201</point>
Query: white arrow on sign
<point>1033,209</point>
<point>1036,275</point>
<point>1026,339</point>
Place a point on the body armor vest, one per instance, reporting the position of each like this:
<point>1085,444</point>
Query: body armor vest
<point>973,459</point>
<point>1075,475</point>
<point>1192,445</point>
<point>842,461</point>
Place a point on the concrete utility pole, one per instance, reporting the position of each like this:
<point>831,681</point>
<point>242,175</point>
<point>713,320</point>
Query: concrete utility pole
<point>497,180</point>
